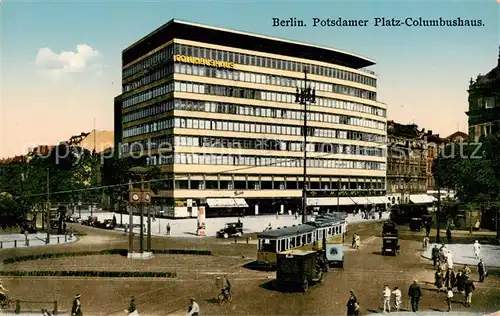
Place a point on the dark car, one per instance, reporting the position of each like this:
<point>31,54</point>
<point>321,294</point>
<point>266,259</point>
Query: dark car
<point>106,224</point>
<point>390,245</point>
<point>299,269</point>
<point>231,230</point>
<point>416,224</point>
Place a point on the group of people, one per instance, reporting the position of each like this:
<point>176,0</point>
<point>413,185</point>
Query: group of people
<point>414,293</point>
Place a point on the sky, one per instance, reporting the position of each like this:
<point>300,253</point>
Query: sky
<point>61,60</point>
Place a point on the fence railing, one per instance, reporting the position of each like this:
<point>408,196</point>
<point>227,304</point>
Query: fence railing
<point>37,240</point>
<point>34,306</point>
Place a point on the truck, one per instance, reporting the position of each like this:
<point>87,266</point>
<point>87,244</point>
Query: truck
<point>299,268</point>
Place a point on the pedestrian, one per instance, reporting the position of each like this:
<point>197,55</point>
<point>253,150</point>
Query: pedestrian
<point>435,255</point>
<point>358,241</point>
<point>194,308</point>
<point>397,298</point>
<point>469,289</point>
<point>448,278</point>
<point>387,299</point>
<point>477,249</point>
<point>466,272</point>
<point>481,269</point>
<point>132,310</point>
<point>449,296</point>
<point>425,243</point>
<point>438,280</point>
<point>352,305</point>
<point>76,309</point>
<point>415,294</point>
<point>427,228</point>
<point>449,259</point>
<point>448,234</point>
<point>460,282</point>
<point>380,214</point>
<point>168,228</point>
<point>353,245</point>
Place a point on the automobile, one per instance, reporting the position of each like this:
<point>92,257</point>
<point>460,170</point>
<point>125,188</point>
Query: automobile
<point>389,229</point>
<point>72,219</point>
<point>390,245</point>
<point>106,224</point>
<point>335,255</point>
<point>299,268</point>
<point>231,230</point>
<point>416,224</point>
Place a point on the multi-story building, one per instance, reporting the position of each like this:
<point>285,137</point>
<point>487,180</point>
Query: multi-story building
<point>217,110</point>
<point>484,104</point>
<point>406,164</point>
<point>434,145</point>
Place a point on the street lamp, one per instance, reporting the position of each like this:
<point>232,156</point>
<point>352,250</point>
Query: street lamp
<point>303,96</point>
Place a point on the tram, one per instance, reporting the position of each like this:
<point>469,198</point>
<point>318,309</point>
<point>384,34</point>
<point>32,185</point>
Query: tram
<point>302,237</point>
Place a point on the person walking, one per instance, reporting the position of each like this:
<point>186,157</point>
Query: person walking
<point>194,308</point>
<point>132,310</point>
<point>358,241</point>
<point>352,305</point>
<point>449,296</point>
<point>469,289</point>
<point>353,245</point>
<point>425,243</point>
<point>460,282</point>
<point>76,308</point>
<point>438,280</point>
<point>435,255</point>
<point>397,298</point>
<point>481,269</point>
<point>387,299</point>
<point>477,249</point>
<point>448,234</point>
<point>427,228</point>
<point>466,272</point>
<point>415,294</point>
<point>168,229</point>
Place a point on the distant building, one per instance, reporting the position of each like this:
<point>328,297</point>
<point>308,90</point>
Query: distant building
<point>484,104</point>
<point>95,140</point>
<point>434,145</point>
<point>457,137</point>
<point>406,164</point>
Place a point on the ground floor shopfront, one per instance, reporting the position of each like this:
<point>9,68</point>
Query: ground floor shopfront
<point>245,206</point>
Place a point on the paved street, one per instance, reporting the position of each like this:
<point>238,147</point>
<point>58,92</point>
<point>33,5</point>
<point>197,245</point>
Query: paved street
<point>366,271</point>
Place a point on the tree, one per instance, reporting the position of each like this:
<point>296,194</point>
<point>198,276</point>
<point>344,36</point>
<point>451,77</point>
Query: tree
<point>12,211</point>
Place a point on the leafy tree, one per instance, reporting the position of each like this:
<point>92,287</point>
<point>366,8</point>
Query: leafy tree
<point>12,211</point>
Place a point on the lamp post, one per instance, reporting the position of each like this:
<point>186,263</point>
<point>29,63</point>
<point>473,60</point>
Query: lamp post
<point>303,96</point>
<point>48,206</point>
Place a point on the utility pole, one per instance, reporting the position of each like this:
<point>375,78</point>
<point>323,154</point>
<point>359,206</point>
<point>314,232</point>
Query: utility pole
<point>48,206</point>
<point>141,221</point>
<point>438,210</point>
<point>338,195</point>
<point>130,222</point>
<point>303,96</point>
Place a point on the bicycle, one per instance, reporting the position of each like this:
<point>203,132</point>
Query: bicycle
<point>225,295</point>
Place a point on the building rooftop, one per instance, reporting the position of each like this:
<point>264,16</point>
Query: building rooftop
<point>243,40</point>
<point>492,78</point>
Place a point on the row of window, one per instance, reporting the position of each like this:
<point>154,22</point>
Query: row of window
<point>231,74</point>
<point>148,95</point>
<point>163,71</point>
<point>247,93</point>
<point>231,126</point>
<point>167,143</point>
<point>158,57</point>
<point>263,161</point>
<point>228,108</point>
<point>273,63</point>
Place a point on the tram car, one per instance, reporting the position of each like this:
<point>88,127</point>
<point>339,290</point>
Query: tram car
<point>304,237</point>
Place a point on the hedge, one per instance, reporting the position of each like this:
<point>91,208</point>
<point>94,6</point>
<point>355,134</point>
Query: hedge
<point>122,252</point>
<point>100,274</point>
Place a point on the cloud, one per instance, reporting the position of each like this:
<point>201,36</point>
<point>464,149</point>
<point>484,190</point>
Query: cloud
<point>84,59</point>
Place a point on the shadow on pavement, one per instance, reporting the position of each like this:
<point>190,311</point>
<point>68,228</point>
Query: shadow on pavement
<point>255,265</point>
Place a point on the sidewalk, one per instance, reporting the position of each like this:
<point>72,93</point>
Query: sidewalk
<point>187,227</point>
<point>464,254</point>
<point>19,240</point>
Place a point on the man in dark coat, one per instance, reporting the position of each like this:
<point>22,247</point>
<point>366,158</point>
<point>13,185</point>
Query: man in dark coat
<point>435,255</point>
<point>469,289</point>
<point>415,293</point>
<point>448,234</point>
<point>460,282</point>
<point>76,309</point>
<point>427,228</point>
<point>481,269</point>
<point>352,305</point>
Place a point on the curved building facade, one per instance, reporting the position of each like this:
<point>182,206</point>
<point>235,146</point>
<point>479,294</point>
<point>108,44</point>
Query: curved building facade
<point>215,109</point>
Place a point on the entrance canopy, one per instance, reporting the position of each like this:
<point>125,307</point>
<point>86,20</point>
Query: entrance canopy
<point>421,199</point>
<point>376,199</point>
<point>329,201</point>
<point>227,202</point>
<point>361,200</point>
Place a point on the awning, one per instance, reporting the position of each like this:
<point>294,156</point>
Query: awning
<point>329,201</point>
<point>241,202</point>
<point>421,198</point>
<point>361,200</point>
<point>227,202</point>
<point>376,200</point>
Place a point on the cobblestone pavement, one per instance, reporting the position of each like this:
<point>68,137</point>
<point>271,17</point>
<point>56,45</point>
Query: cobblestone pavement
<point>366,271</point>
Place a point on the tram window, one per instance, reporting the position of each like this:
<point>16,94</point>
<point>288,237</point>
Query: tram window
<point>336,230</point>
<point>309,238</point>
<point>298,241</point>
<point>268,245</point>
<point>304,241</point>
<point>283,244</point>
<point>329,231</point>
<point>292,242</point>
